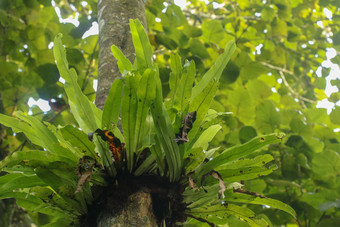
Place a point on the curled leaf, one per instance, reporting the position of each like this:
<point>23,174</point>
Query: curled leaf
<point>221,183</point>
<point>192,184</point>
<point>187,122</point>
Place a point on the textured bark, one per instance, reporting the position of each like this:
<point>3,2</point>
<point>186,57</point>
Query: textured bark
<point>113,20</point>
<point>137,211</point>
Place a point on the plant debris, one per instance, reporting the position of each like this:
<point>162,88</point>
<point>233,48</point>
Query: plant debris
<point>84,171</point>
<point>221,183</point>
<point>188,121</point>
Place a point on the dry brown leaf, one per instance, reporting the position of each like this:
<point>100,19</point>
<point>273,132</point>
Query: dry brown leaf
<point>221,183</point>
<point>188,121</point>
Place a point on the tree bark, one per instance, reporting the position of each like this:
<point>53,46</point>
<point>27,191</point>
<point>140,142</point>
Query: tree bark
<point>136,211</point>
<point>113,21</point>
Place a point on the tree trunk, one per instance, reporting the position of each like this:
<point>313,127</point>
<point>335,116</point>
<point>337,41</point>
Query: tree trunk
<point>136,211</point>
<point>113,20</point>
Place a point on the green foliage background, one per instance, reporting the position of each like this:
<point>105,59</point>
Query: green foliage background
<point>275,89</point>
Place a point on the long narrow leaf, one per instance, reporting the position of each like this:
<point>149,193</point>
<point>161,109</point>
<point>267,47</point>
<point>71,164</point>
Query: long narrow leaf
<point>112,104</point>
<point>79,140</point>
<point>33,155</point>
<point>253,199</point>
<point>216,70</point>
<point>20,126</point>
<point>223,211</point>
<point>123,63</point>
<point>129,110</point>
<point>183,92</point>
<point>146,93</point>
<point>33,203</point>
<point>142,45</point>
<point>166,135</point>
<point>79,103</point>
<point>14,181</point>
<point>85,112</point>
<point>201,105</point>
<point>176,70</point>
<point>238,152</point>
<point>206,136</point>
<point>145,166</point>
<point>40,130</point>
<point>158,153</point>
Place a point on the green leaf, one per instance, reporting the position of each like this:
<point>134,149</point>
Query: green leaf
<point>247,133</point>
<point>197,48</point>
<point>14,181</point>
<point>241,104</point>
<point>35,204</point>
<point>81,107</point>
<point>38,157</point>
<point>78,139</point>
<point>112,104</point>
<point>201,105</point>
<point>56,178</point>
<point>84,111</point>
<point>158,153</point>
<point>47,138</point>
<point>223,211</point>
<point>129,113</point>
<point>267,118</point>
<point>123,63</point>
<point>259,160</point>
<point>335,116</point>
<point>253,199</point>
<point>145,166</point>
<point>215,71</point>
<point>206,137</point>
<point>199,198</point>
<point>142,45</point>
<point>245,173</point>
<point>268,13</point>
<point>165,134</point>
<point>146,92</point>
<point>326,164</point>
<point>49,73</point>
<point>176,70</point>
<point>238,151</point>
<point>230,74</point>
<point>167,41</point>
<point>20,126</point>
<point>195,157</point>
<point>183,88</point>
<point>213,31</point>
<point>64,184</point>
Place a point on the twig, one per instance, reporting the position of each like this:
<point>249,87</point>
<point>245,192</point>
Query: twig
<point>277,68</point>
<point>292,91</point>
